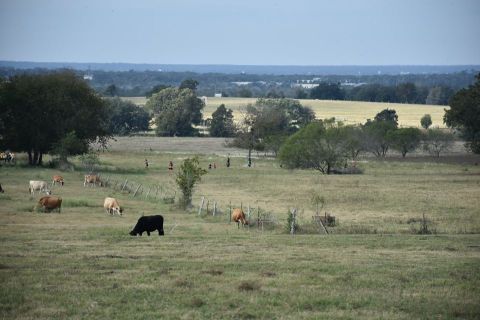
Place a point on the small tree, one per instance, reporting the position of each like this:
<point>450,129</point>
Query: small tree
<point>437,141</point>
<point>387,115</point>
<point>426,121</point>
<point>189,174</point>
<point>315,146</point>
<point>222,122</point>
<point>318,201</point>
<point>405,140</point>
<point>90,161</point>
<point>69,145</point>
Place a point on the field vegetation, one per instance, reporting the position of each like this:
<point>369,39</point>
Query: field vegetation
<point>82,263</point>
<point>350,112</point>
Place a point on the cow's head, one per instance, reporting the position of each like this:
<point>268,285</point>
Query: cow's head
<point>133,232</point>
<point>48,192</point>
<point>120,210</point>
<point>62,182</point>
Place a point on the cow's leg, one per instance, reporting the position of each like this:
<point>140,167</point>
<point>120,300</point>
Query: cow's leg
<point>160,232</point>
<point>148,233</point>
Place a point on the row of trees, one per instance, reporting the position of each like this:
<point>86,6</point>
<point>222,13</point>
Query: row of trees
<point>401,93</point>
<point>324,145</point>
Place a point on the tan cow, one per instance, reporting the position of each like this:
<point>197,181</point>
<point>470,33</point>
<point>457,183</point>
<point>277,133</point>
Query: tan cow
<point>92,179</point>
<point>57,179</point>
<point>50,203</point>
<point>37,185</point>
<point>238,216</point>
<point>111,206</point>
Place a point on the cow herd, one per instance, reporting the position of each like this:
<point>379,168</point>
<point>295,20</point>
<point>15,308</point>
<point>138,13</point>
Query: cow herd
<point>111,205</point>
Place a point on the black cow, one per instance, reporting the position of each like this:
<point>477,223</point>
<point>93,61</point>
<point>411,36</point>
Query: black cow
<point>148,224</point>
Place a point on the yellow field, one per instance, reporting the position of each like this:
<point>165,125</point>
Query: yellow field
<point>350,112</point>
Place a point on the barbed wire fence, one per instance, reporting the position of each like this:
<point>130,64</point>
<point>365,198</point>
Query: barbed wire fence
<point>160,192</point>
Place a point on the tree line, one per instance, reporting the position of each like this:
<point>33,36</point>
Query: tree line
<point>59,113</point>
<point>381,88</point>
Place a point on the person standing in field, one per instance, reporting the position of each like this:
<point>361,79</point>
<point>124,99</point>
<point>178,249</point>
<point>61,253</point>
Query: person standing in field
<point>228,161</point>
<point>146,163</point>
<point>170,166</point>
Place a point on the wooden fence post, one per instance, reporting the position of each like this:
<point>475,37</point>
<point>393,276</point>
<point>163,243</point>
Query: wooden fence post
<point>148,192</point>
<point>230,212</point>
<point>124,184</point>
<point>208,202</point>
<point>292,224</point>
<point>201,206</point>
<point>137,190</point>
<point>214,208</point>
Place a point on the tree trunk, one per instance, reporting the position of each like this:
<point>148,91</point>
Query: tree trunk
<point>30,160</point>
<point>35,157</point>
<point>40,158</point>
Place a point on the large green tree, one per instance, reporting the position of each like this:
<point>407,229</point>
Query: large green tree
<point>269,121</point>
<point>318,146</point>
<point>222,122</point>
<point>125,117</point>
<point>464,114</point>
<point>176,111</point>
<point>405,140</point>
<point>38,111</point>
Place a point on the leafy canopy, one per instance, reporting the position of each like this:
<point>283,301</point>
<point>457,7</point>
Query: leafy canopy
<point>464,114</point>
<point>176,111</point>
<point>38,111</point>
<point>189,174</point>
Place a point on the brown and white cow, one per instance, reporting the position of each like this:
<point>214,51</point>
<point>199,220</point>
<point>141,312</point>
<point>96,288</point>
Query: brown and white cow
<point>38,185</point>
<point>49,203</point>
<point>238,216</point>
<point>57,179</point>
<point>92,179</point>
<point>111,206</point>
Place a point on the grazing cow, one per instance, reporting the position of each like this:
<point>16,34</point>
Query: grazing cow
<point>92,179</point>
<point>57,179</point>
<point>238,216</point>
<point>148,224</point>
<point>40,186</point>
<point>1,190</point>
<point>111,206</point>
<point>50,203</point>
<point>7,157</point>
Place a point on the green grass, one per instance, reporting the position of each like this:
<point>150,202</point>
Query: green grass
<point>82,263</point>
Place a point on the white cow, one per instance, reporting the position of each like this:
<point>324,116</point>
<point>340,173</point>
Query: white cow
<point>111,206</point>
<point>40,186</point>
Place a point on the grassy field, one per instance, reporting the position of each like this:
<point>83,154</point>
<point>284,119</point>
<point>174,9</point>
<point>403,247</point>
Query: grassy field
<point>351,112</point>
<point>82,263</point>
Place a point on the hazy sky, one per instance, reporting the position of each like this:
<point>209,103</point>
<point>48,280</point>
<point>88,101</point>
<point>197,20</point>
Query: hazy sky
<point>273,32</point>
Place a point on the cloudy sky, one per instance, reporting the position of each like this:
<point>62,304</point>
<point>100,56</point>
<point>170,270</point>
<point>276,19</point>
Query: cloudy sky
<point>258,32</point>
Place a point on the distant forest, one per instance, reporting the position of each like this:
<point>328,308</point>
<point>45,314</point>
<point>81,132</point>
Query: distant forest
<point>429,88</point>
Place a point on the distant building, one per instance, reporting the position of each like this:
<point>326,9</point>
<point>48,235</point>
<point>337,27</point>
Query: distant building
<point>88,77</point>
<point>305,85</point>
<point>217,95</point>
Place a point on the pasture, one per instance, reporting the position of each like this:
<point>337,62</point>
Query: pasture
<point>82,263</point>
<point>350,112</point>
